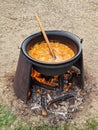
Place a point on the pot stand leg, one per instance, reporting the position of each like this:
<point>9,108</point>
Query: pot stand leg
<point>22,80</point>
<point>79,64</point>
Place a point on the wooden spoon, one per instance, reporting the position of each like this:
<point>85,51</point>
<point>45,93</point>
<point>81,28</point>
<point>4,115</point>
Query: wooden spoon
<point>45,37</point>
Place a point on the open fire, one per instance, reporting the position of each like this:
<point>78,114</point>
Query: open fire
<point>53,81</point>
<point>52,90</point>
<point>48,93</point>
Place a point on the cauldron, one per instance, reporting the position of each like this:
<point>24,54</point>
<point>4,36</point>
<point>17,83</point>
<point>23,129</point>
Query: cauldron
<point>51,69</point>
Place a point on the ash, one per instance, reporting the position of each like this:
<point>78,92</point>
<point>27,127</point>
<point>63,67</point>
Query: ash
<point>58,105</point>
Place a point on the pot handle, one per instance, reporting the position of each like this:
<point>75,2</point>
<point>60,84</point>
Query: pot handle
<point>81,40</point>
<point>74,35</point>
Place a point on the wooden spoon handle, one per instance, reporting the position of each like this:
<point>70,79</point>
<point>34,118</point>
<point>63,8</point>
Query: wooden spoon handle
<point>45,36</point>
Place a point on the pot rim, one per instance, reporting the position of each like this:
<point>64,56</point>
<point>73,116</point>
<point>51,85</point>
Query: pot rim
<point>69,35</point>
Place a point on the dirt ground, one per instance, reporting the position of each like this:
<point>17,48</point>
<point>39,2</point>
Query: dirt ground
<point>17,21</point>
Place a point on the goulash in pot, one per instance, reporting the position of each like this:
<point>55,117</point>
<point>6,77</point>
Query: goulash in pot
<point>40,52</point>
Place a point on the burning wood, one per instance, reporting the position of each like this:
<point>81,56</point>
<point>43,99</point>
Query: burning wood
<point>66,88</point>
<point>53,91</point>
<point>45,80</point>
<point>52,81</point>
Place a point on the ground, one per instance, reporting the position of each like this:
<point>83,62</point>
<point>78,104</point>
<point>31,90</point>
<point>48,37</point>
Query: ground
<point>17,21</point>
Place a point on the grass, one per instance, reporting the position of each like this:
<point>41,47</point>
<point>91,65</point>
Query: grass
<point>6,118</point>
<point>9,122</point>
<point>90,125</point>
<point>46,127</point>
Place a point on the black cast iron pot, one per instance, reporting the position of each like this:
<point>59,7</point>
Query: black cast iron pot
<point>51,69</point>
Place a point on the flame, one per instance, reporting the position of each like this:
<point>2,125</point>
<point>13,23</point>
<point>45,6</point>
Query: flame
<point>52,81</point>
<point>37,76</point>
<point>66,88</point>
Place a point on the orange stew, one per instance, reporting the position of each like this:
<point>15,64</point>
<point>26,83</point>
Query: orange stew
<point>41,52</point>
